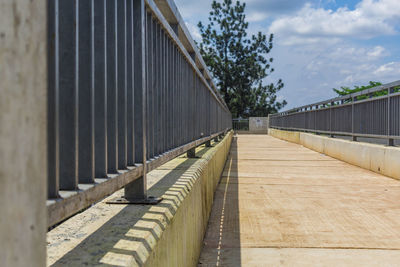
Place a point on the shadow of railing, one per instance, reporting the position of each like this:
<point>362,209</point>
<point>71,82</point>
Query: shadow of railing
<point>222,241</point>
<point>136,228</point>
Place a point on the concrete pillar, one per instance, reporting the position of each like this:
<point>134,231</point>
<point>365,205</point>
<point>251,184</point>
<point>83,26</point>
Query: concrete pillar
<point>191,153</point>
<point>23,153</point>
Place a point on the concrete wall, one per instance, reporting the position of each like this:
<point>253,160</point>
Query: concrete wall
<point>23,132</point>
<point>258,125</point>
<point>167,234</point>
<point>377,158</point>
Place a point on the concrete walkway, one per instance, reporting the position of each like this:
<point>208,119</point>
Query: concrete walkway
<point>280,204</point>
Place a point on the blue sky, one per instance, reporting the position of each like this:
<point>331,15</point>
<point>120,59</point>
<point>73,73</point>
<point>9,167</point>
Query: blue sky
<point>320,44</point>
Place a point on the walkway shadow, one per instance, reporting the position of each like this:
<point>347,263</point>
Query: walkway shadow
<point>115,243</point>
<point>222,240</point>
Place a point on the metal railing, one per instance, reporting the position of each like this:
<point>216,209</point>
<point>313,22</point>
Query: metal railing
<point>128,91</point>
<point>361,114</point>
<point>240,124</point>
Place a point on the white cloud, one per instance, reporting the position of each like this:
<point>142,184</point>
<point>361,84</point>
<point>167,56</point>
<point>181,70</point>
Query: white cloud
<point>369,19</point>
<point>194,31</point>
<point>310,71</point>
<point>388,69</point>
<point>273,7</point>
<point>256,16</point>
<point>378,51</point>
<point>384,9</point>
<point>317,49</point>
<point>256,10</point>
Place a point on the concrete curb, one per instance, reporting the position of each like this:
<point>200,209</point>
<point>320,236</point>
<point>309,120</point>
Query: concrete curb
<point>167,234</point>
<point>377,158</point>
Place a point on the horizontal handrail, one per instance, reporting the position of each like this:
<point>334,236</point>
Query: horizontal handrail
<point>373,117</point>
<point>126,94</point>
<point>339,99</point>
<point>174,36</point>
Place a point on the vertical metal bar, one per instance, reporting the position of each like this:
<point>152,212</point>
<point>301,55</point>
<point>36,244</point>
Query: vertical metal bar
<point>161,91</point>
<point>100,85</point>
<point>130,73</point>
<point>53,100</point>
<point>157,115</point>
<point>156,78</point>
<point>187,107</point>
<point>162,88</point>
<point>165,92</point>
<point>112,114</point>
<point>121,84</point>
<point>390,140</point>
<point>86,92</point>
<point>173,99</point>
<point>148,84</point>
<point>180,95</point>
<point>176,98</point>
<point>152,90</point>
<point>138,188</point>
<point>354,138</point>
<point>68,93</point>
<point>330,119</point>
<point>167,84</point>
<point>170,96</point>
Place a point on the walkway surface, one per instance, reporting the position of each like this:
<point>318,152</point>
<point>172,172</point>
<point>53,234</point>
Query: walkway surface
<point>280,204</point>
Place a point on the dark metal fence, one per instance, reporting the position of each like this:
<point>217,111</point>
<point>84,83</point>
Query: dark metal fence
<point>373,113</point>
<point>128,91</point>
<point>240,124</point>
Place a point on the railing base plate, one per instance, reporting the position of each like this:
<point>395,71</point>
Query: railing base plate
<point>142,201</point>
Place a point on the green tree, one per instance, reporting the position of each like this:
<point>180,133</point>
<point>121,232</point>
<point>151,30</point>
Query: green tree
<point>347,90</point>
<point>239,63</point>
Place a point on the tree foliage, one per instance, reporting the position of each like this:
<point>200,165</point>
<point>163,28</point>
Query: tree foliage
<point>347,90</point>
<point>239,63</point>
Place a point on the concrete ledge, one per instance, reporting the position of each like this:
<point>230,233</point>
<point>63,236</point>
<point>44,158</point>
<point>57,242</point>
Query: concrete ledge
<point>250,132</point>
<point>167,234</point>
<point>377,158</point>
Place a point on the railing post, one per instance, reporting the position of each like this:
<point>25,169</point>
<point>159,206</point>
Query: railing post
<point>138,188</point>
<point>122,85</point>
<point>315,119</point>
<point>100,84</point>
<point>85,83</point>
<point>136,191</point>
<point>111,63</point>
<point>53,102</point>
<point>67,86</point>
<point>330,119</point>
<point>390,140</point>
<point>130,74</point>
<point>191,153</point>
<point>354,138</point>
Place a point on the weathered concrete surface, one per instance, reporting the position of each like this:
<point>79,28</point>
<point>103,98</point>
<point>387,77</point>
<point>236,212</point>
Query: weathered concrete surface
<point>258,125</point>
<point>23,170</point>
<point>167,234</point>
<point>280,204</point>
<point>377,158</point>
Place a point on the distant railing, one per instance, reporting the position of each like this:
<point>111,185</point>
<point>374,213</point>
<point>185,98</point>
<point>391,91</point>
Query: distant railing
<point>240,124</point>
<point>128,91</point>
<point>361,114</point>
